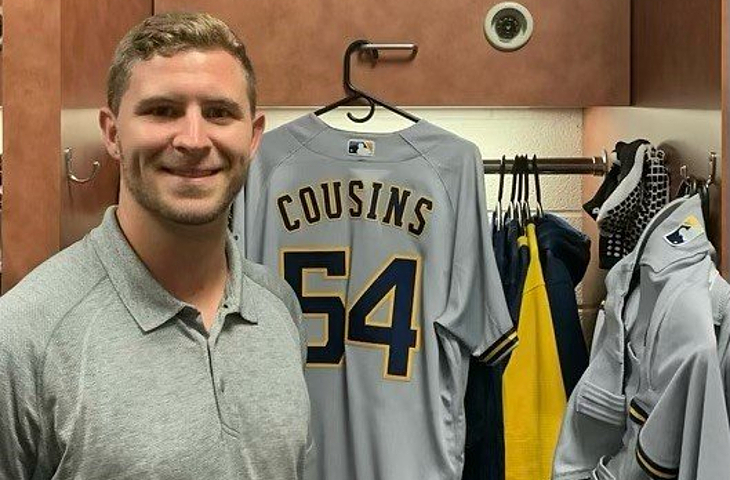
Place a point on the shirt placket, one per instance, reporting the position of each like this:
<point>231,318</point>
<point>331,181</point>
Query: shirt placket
<point>226,413</point>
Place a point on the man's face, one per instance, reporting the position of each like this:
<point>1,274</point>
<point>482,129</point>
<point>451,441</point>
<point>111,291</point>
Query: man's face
<point>184,135</point>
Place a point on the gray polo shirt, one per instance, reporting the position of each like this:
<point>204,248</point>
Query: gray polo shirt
<point>104,374</point>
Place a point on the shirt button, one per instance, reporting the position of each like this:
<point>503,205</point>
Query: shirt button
<point>222,386</point>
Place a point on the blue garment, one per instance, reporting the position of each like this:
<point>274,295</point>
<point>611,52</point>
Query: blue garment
<point>484,450</point>
<point>517,263</point>
<point>499,244</point>
<point>564,256</point>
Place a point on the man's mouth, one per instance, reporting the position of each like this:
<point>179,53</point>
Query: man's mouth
<point>193,172</point>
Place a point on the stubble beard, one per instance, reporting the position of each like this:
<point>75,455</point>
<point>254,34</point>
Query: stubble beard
<point>151,200</point>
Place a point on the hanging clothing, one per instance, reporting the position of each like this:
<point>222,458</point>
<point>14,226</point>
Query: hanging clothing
<point>533,396</point>
<point>593,206</point>
<point>564,256</point>
<point>385,240</point>
<point>519,253</point>
<point>484,452</point>
<point>484,448</point>
<point>720,293</point>
<point>500,245</point>
<point>651,402</point>
<point>639,196</point>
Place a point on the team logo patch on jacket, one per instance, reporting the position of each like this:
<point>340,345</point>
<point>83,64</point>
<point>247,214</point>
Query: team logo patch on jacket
<point>690,229</point>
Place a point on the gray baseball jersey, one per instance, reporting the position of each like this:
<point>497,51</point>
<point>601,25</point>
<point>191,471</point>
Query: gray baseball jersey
<point>665,379</point>
<point>386,242</point>
<point>720,291</point>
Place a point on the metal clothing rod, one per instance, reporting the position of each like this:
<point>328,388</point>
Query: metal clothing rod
<point>557,166</point>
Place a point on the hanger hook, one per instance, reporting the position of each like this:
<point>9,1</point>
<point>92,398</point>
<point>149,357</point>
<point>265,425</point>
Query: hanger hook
<point>347,82</point>
<point>683,172</point>
<point>352,48</point>
<point>372,49</point>
<point>367,116</point>
<point>68,155</point>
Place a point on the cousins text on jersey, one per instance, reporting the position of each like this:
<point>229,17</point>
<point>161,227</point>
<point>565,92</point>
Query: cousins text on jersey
<point>371,200</point>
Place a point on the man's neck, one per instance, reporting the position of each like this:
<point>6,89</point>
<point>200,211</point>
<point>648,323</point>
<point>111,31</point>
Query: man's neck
<point>189,261</point>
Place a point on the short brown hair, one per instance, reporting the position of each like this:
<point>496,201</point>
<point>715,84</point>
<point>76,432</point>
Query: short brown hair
<point>167,34</point>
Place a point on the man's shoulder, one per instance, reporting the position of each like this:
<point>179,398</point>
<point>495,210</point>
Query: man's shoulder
<point>47,293</point>
<point>265,279</point>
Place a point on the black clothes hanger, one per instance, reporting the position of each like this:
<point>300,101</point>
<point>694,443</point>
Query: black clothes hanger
<point>685,185</point>
<point>538,195</point>
<point>355,94</point>
<point>512,208</point>
<point>519,206</point>
<point>497,214</point>
<point>525,201</point>
<point>517,174</point>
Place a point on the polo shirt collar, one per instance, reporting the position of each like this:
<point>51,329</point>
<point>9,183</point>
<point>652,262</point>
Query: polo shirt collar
<point>149,303</point>
<point>146,300</point>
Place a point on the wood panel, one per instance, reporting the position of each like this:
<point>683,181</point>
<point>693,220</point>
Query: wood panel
<point>91,31</point>
<point>31,112</point>
<point>725,155</point>
<point>1,61</point>
<point>63,63</point>
<point>676,53</point>
<point>578,56</point>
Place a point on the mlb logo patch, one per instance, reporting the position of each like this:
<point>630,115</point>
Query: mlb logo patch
<point>360,147</point>
<point>690,229</point>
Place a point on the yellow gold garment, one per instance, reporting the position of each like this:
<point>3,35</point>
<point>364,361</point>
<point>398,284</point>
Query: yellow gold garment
<point>532,388</point>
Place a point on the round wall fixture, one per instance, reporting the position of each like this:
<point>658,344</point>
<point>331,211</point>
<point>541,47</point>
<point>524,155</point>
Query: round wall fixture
<point>508,26</point>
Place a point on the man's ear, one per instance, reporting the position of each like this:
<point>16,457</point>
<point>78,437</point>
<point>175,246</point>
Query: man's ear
<point>259,123</point>
<point>110,132</point>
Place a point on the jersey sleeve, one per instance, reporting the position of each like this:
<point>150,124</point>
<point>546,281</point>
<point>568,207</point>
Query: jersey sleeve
<point>476,311</point>
<point>19,416</point>
<point>686,434</point>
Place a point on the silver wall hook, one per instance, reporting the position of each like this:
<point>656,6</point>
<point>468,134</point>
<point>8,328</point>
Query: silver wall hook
<point>713,168</point>
<point>68,156</point>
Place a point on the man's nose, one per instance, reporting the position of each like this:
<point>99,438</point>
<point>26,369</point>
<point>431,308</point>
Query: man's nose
<point>192,136</point>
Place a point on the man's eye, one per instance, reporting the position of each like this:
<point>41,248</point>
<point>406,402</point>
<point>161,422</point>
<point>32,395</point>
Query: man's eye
<point>162,111</point>
<point>217,112</point>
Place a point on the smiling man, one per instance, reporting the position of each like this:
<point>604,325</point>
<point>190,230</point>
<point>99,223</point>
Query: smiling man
<point>151,348</point>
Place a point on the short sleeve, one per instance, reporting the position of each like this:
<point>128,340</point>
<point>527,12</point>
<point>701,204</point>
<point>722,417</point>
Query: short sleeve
<point>476,311</point>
